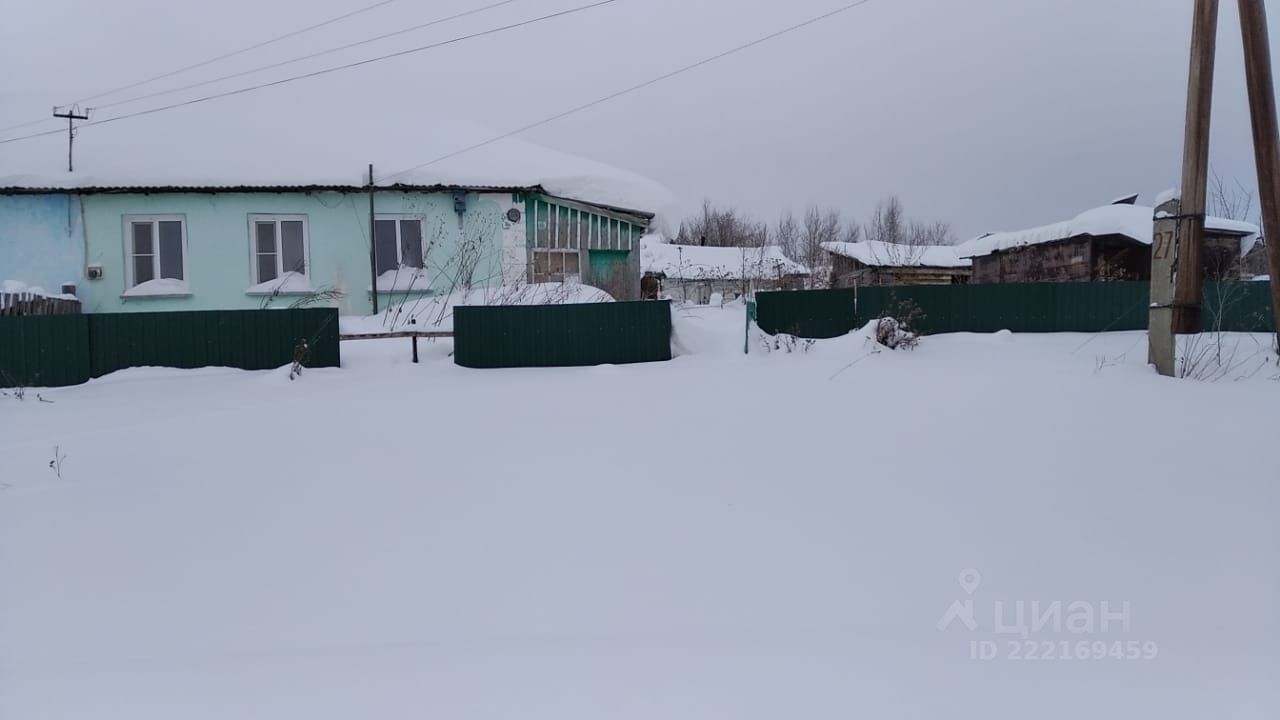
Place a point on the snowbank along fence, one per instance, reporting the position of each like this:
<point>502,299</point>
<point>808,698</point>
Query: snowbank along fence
<point>562,335</point>
<point>1032,307</point>
<point>68,350</point>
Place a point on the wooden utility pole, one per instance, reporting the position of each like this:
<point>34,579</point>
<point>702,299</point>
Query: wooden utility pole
<point>1266,134</point>
<point>373,246</point>
<point>72,116</point>
<point>1188,293</point>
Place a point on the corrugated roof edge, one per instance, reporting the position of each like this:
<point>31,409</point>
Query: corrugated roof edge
<point>216,189</point>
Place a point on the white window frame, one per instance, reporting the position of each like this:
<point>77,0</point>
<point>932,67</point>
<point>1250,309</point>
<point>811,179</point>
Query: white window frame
<point>422,238</point>
<point>254,219</point>
<point>155,220</point>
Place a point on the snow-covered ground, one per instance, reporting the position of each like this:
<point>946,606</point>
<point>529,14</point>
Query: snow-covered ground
<point>778,535</point>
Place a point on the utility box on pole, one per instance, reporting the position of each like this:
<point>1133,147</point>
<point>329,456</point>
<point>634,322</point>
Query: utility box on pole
<point>1162,342</point>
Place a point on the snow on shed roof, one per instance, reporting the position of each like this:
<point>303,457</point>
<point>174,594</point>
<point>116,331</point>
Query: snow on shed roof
<point>298,138</point>
<point>874,253</point>
<point>694,262</point>
<point>1132,221</point>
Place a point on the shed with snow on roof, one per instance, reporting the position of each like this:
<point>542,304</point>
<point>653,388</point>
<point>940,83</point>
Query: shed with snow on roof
<point>875,263</point>
<point>694,273</point>
<point>1108,243</point>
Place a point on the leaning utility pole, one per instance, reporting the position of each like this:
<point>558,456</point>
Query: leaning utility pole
<point>1266,135</point>
<point>71,115</point>
<point>1188,293</point>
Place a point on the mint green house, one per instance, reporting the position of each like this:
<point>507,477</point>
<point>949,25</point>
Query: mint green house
<point>248,248</point>
<point>250,210</point>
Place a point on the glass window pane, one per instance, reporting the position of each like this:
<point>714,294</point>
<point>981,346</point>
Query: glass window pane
<point>541,266</point>
<point>411,243</point>
<point>142,269</point>
<point>266,232</point>
<point>386,245</point>
<point>142,238</point>
<point>571,263</point>
<point>293,253</point>
<point>266,267</point>
<point>171,249</point>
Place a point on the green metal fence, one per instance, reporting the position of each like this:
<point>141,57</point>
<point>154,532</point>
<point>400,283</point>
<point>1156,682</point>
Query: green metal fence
<point>1038,307</point>
<point>67,350</point>
<point>562,335</point>
<point>44,350</point>
<point>245,339</point>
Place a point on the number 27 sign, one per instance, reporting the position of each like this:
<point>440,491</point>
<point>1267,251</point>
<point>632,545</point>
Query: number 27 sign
<point>1163,249</point>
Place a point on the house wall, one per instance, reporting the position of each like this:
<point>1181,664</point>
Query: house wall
<point>1066,261</point>
<point>219,255</point>
<point>42,241</point>
<point>608,243</point>
<point>1095,259</point>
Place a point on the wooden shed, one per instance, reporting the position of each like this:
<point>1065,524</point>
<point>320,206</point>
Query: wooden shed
<point>1110,243</point>
<point>873,263</point>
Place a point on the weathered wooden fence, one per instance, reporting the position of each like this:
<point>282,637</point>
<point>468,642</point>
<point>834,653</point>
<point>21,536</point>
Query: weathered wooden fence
<point>562,335</point>
<point>24,304</point>
<point>67,350</point>
<point>1035,307</point>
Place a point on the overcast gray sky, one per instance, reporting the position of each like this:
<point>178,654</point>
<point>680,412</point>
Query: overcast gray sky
<point>992,114</point>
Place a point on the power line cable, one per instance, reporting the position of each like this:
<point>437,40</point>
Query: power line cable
<point>291,61</point>
<point>325,71</point>
<point>640,86</point>
<point>212,60</point>
<point>241,51</point>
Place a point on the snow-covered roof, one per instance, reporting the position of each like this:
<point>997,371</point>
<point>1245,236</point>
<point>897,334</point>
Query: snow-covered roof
<point>1132,221</point>
<point>296,137</point>
<point>874,253</point>
<point>694,262</point>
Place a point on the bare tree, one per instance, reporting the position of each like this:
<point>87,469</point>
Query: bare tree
<point>1233,202</point>
<point>888,223</point>
<point>722,227</point>
<point>852,232</point>
<point>904,241</point>
<point>787,234</point>
<point>935,233</point>
<point>817,227</point>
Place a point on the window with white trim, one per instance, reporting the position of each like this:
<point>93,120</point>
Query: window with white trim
<point>398,242</point>
<point>156,248</point>
<point>279,245</point>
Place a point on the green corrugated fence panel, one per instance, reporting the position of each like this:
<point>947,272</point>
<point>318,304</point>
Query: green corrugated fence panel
<point>245,339</point>
<point>562,335</point>
<point>1030,308</point>
<point>1238,307</point>
<point>44,351</point>
<point>810,313</point>
<point>69,349</point>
